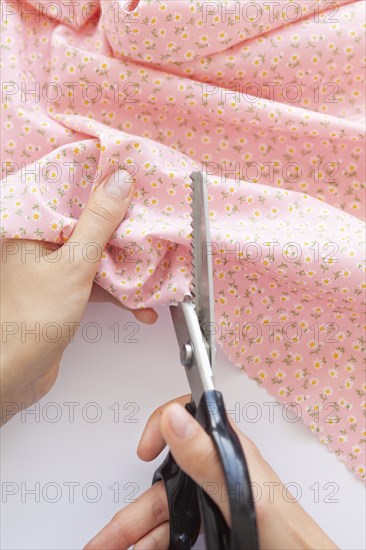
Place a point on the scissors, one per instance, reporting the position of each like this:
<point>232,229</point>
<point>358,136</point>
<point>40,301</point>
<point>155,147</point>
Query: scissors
<point>193,321</point>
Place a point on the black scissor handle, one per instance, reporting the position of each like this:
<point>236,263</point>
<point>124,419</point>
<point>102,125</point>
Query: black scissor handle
<point>184,513</point>
<point>184,495</point>
<point>243,534</point>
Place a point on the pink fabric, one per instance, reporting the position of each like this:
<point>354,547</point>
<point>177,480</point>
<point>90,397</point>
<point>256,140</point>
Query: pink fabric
<point>162,76</point>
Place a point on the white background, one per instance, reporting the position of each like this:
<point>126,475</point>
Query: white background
<point>103,453</point>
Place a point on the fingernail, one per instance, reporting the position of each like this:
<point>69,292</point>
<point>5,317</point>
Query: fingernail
<point>181,422</point>
<point>119,184</point>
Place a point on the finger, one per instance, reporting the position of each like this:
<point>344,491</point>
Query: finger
<point>106,208</point>
<point>152,442</point>
<point>157,539</point>
<point>194,451</point>
<point>133,522</point>
<point>146,315</point>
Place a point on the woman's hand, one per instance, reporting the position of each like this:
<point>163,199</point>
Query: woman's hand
<point>281,524</point>
<point>45,290</point>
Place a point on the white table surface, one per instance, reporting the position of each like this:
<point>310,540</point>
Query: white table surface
<point>95,456</point>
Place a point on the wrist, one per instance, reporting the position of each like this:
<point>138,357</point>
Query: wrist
<point>25,378</point>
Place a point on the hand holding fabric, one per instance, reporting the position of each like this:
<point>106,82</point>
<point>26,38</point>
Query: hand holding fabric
<point>45,289</point>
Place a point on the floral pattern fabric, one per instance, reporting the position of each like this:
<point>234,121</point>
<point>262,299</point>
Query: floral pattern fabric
<point>268,102</point>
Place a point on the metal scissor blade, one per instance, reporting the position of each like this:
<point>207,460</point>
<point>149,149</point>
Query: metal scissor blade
<point>202,281</point>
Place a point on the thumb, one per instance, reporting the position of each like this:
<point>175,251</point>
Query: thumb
<point>195,453</point>
<point>106,208</point>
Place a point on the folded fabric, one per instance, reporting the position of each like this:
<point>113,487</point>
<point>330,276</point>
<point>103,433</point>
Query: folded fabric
<point>267,100</point>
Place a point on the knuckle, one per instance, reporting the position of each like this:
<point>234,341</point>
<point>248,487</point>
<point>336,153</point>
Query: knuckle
<point>183,399</point>
<point>156,415</point>
<point>209,459</point>
<point>159,503</point>
<point>159,538</point>
<point>99,212</point>
<point>254,449</point>
<point>123,533</point>
<point>250,446</point>
<point>200,457</point>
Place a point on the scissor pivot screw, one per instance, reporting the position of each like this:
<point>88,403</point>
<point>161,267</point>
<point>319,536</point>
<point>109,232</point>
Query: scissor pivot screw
<point>186,354</point>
